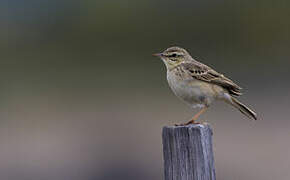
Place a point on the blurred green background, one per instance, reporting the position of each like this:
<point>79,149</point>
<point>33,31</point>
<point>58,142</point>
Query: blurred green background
<point>82,97</point>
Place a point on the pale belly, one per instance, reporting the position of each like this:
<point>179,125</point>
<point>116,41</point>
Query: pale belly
<point>194,92</point>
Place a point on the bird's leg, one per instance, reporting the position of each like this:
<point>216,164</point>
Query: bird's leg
<point>192,121</point>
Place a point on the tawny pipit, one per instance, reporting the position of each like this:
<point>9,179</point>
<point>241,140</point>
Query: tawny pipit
<point>199,85</point>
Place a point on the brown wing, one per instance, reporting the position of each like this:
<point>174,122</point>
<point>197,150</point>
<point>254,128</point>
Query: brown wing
<point>202,72</point>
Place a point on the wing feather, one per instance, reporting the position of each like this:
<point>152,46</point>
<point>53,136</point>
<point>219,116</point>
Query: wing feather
<point>204,73</point>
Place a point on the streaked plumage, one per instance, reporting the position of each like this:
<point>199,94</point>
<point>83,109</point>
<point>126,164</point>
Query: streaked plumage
<point>198,84</point>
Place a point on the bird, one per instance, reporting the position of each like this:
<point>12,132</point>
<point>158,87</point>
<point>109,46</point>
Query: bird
<point>198,85</point>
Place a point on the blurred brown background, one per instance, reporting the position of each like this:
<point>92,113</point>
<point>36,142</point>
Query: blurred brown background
<point>82,97</point>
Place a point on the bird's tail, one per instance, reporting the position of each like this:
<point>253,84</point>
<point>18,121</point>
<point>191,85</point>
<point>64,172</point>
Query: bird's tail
<point>243,108</point>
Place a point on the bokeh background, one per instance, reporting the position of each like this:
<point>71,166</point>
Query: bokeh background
<point>82,97</point>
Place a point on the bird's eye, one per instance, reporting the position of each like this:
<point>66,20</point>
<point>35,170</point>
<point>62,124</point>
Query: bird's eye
<point>173,55</point>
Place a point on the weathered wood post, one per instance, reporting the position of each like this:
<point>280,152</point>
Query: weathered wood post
<point>187,152</point>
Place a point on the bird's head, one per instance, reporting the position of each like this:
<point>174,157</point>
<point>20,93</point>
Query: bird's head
<point>173,56</point>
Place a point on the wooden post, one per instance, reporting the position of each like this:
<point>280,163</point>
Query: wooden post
<point>187,152</point>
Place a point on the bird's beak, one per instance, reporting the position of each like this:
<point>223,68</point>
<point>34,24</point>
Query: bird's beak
<point>157,54</point>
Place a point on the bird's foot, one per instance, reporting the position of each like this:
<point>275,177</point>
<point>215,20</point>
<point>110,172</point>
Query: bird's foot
<point>188,123</point>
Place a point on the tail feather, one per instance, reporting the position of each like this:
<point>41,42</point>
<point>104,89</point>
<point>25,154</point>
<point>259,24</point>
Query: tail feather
<point>243,108</point>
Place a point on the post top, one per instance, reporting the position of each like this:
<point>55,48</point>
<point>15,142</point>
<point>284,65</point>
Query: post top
<point>202,128</point>
<point>190,126</point>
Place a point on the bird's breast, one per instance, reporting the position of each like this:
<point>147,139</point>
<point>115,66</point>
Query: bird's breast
<point>192,91</point>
